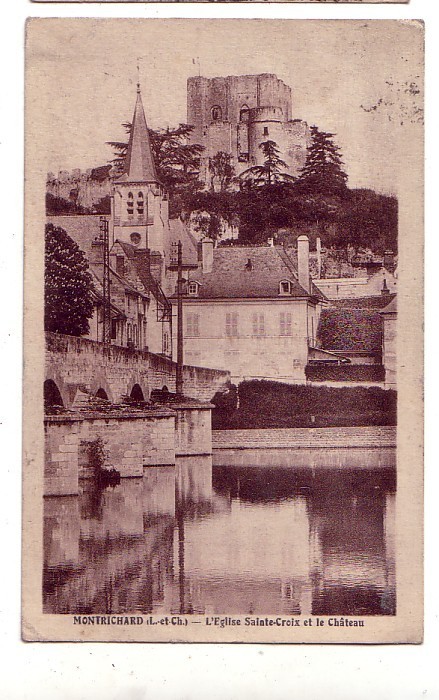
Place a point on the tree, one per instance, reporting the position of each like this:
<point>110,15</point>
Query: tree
<point>177,161</point>
<point>222,172</point>
<point>323,170</point>
<point>270,172</point>
<point>68,303</point>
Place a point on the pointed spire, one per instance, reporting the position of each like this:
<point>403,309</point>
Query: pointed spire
<point>139,162</point>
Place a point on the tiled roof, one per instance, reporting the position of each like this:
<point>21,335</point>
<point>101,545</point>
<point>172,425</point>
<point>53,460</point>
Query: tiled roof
<point>391,308</point>
<point>141,260</point>
<point>83,228</point>
<point>372,302</point>
<point>233,276</point>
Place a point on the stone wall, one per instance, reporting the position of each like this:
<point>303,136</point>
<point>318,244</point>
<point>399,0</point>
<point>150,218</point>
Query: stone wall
<point>79,364</point>
<point>193,430</point>
<point>132,442</point>
<point>346,437</point>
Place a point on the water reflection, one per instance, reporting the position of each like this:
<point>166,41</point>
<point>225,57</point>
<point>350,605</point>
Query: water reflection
<point>229,539</point>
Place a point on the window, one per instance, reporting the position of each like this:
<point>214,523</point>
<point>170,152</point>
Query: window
<point>166,343</point>
<point>285,323</point>
<point>265,130</point>
<point>243,113</point>
<point>120,265</point>
<point>217,114</point>
<point>193,289</point>
<point>258,324</point>
<point>285,287</point>
<point>140,204</point>
<point>130,204</point>
<point>113,329</point>
<point>232,324</point>
<point>192,325</point>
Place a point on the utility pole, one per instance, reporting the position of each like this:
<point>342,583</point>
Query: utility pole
<point>106,317</point>
<point>176,264</point>
<point>179,368</point>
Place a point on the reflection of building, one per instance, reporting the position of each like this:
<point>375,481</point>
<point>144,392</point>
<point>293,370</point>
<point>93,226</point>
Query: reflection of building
<point>302,542</point>
<point>235,114</point>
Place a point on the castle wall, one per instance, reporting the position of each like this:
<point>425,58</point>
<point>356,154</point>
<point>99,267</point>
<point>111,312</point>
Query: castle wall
<point>268,101</point>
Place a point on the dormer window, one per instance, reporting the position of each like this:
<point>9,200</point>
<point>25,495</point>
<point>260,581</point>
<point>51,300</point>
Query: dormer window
<point>193,289</point>
<point>130,204</point>
<point>285,287</point>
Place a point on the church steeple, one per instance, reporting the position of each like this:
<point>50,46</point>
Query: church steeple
<point>140,203</point>
<point>139,162</point>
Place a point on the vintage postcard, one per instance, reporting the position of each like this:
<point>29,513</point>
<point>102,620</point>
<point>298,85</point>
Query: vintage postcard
<point>258,1</point>
<point>223,331</point>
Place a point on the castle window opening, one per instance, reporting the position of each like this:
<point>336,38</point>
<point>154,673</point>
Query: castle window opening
<point>217,114</point>
<point>244,114</point>
<point>265,130</point>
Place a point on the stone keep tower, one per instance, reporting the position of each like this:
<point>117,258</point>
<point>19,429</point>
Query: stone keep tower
<point>237,113</point>
<point>140,201</point>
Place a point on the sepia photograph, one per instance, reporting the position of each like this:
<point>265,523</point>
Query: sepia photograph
<point>223,331</point>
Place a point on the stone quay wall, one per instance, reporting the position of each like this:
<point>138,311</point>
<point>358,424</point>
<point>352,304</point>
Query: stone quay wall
<point>132,442</point>
<point>80,364</point>
<point>339,437</point>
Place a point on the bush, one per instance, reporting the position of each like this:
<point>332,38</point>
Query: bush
<point>265,404</point>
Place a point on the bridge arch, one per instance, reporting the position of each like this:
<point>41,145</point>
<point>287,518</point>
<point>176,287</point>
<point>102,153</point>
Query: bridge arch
<point>101,394</point>
<point>137,393</point>
<point>52,394</point>
<point>101,388</point>
<point>65,390</point>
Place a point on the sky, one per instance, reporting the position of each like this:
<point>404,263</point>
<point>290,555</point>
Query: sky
<point>361,80</point>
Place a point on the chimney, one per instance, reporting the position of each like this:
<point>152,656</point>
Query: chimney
<point>303,262</point>
<point>207,245</point>
<point>319,257</point>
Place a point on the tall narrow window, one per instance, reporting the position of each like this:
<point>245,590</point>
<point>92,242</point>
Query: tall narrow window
<point>285,323</point>
<point>258,324</point>
<point>192,325</point>
<point>217,114</point>
<point>140,204</point>
<point>130,204</point>
<point>232,324</point>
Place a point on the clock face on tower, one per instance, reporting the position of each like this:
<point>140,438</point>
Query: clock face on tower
<point>135,238</point>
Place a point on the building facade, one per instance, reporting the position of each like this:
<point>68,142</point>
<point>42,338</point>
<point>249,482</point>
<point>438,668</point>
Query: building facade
<point>249,310</point>
<point>235,114</point>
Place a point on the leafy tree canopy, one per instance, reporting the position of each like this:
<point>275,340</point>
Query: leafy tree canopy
<point>68,303</point>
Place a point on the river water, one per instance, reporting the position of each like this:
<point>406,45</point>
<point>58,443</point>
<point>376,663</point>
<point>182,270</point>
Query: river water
<point>252,536</point>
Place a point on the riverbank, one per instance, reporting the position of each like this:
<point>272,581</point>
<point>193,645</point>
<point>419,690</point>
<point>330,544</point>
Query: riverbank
<point>305,438</point>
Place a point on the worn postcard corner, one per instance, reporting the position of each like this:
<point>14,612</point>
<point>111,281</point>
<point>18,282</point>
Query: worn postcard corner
<point>223,331</point>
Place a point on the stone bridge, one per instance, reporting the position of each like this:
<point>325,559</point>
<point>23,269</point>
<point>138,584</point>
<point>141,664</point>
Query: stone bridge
<point>77,366</point>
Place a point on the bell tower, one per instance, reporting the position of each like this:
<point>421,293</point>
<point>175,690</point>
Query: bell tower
<point>140,201</point>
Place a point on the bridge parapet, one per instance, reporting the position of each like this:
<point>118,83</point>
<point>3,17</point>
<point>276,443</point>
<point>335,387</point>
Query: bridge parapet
<point>77,365</point>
